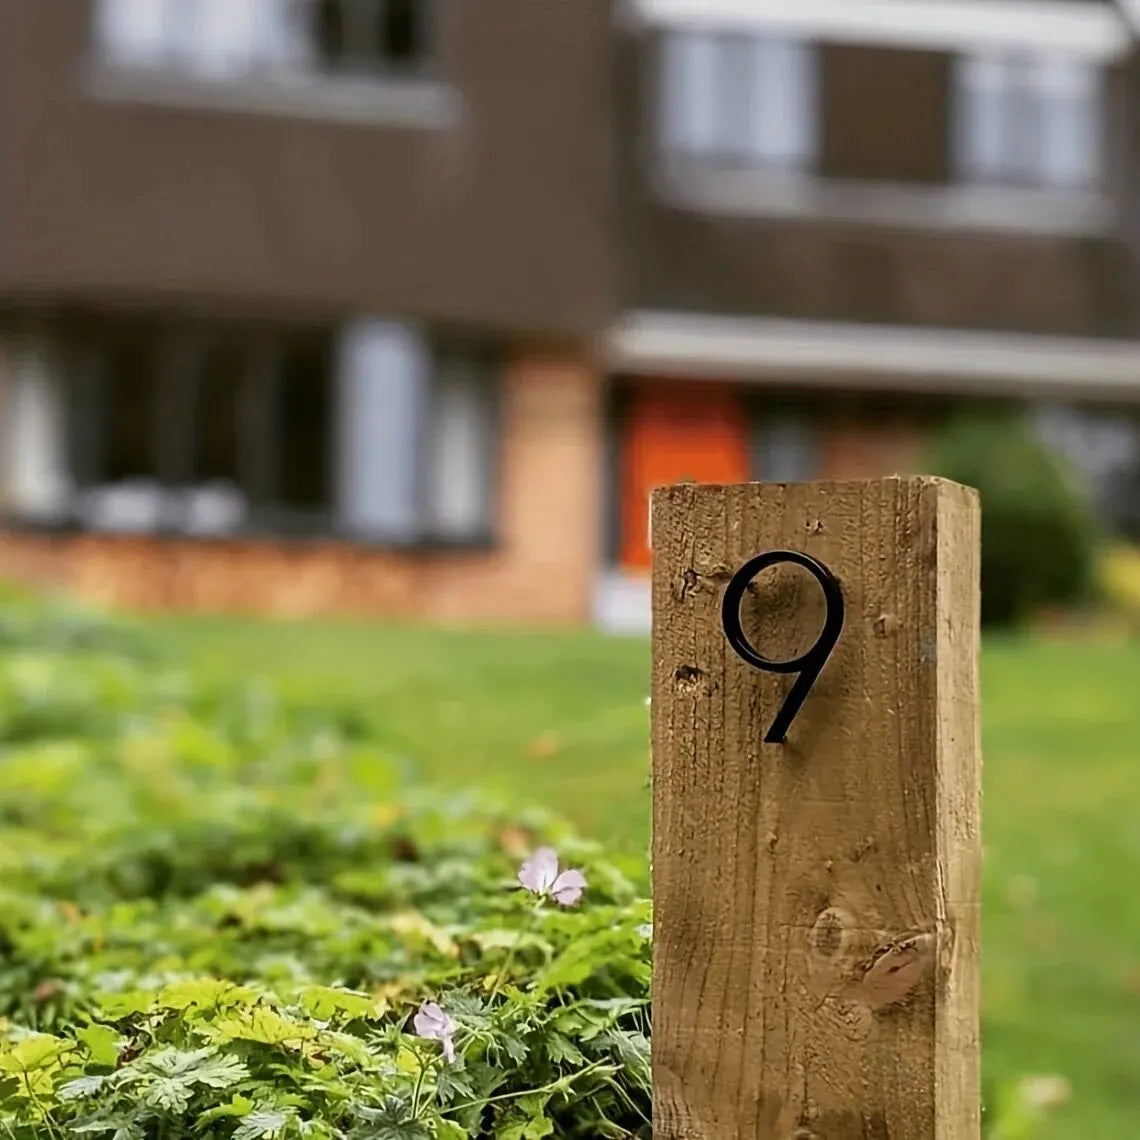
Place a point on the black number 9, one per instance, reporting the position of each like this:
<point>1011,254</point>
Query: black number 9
<point>810,664</point>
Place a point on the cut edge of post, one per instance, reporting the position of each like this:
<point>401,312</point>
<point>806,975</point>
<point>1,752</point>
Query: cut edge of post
<point>958,1065</point>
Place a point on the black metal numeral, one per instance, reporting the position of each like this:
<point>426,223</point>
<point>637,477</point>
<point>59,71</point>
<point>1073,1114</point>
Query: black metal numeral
<point>810,664</point>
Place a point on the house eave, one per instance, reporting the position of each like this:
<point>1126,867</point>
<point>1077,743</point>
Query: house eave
<point>1098,31</point>
<point>823,354</point>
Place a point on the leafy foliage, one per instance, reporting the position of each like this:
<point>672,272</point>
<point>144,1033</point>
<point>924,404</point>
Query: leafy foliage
<point>1038,535</point>
<point>219,911</point>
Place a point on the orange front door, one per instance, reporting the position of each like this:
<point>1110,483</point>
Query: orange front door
<point>671,433</point>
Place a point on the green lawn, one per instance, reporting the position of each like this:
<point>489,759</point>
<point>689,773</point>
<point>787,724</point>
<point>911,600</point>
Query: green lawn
<point>560,719</point>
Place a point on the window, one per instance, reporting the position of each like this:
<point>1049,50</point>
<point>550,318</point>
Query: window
<point>33,436</point>
<point>370,431</point>
<point>163,437</point>
<point>304,425</point>
<point>217,411</point>
<point>739,99</point>
<point>130,450</point>
<point>1102,448</point>
<point>458,471</point>
<point>785,447</point>
<point>415,458</point>
<point>211,37</point>
<point>223,39</point>
<point>1028,120</point>
<point>364,36</point>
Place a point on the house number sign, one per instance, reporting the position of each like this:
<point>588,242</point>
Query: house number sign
<point>808,665</point>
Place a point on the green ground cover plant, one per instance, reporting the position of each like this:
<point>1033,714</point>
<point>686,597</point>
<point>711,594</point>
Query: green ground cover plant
<point>223,915</point>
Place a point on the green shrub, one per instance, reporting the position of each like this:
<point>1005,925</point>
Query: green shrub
<point>1038,535</point>
<point>220,912</point>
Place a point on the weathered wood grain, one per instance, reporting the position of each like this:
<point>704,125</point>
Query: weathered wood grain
<point>816,903</point>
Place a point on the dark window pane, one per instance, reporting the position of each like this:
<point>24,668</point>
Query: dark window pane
<point>368,36</point>
<point>402,31</point>
<point>129,417</point>
<point>218,404</point>
<point>330,31</point>
<point>86,362</point>
<point>305,412</point>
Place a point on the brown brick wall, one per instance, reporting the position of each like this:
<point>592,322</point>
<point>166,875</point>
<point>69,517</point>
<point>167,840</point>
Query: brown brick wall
<point>102,199</point>
<point>541,571</point>
<point>884,113</point>
<point>863,448</point>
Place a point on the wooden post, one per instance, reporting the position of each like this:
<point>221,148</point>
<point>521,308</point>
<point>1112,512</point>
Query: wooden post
<point>816,901</point>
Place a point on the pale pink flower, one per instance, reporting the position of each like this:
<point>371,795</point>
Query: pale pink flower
<point>434,1025</point>
<point>540,875</point>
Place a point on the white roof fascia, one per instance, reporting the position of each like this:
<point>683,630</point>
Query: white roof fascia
<point>885,357</point>
<point>1097,31</point>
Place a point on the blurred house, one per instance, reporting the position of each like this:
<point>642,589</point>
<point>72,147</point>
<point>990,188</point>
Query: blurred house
<point>403,306</point>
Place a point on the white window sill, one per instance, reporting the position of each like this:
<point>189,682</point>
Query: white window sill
<point>779,194</point>
<point>414,103</point>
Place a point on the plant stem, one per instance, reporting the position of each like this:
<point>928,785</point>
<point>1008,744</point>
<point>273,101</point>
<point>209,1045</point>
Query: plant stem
<point>562,1082</point>
<point>419,1086</point>
<point>45,1113</point>
<point>630,1103</point>
<point>501,977</point>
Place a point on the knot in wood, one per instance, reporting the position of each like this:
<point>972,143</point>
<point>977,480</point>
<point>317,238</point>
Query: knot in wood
<point>688,677</point>
<point>885,625</point>
<point>897,968</point>
<point>828,932</point>
<point>685,584</point>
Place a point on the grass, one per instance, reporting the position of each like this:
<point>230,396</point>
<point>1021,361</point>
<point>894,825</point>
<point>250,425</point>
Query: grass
<point>560,719</point>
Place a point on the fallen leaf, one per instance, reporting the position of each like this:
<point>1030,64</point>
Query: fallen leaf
<point>544,745</point>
